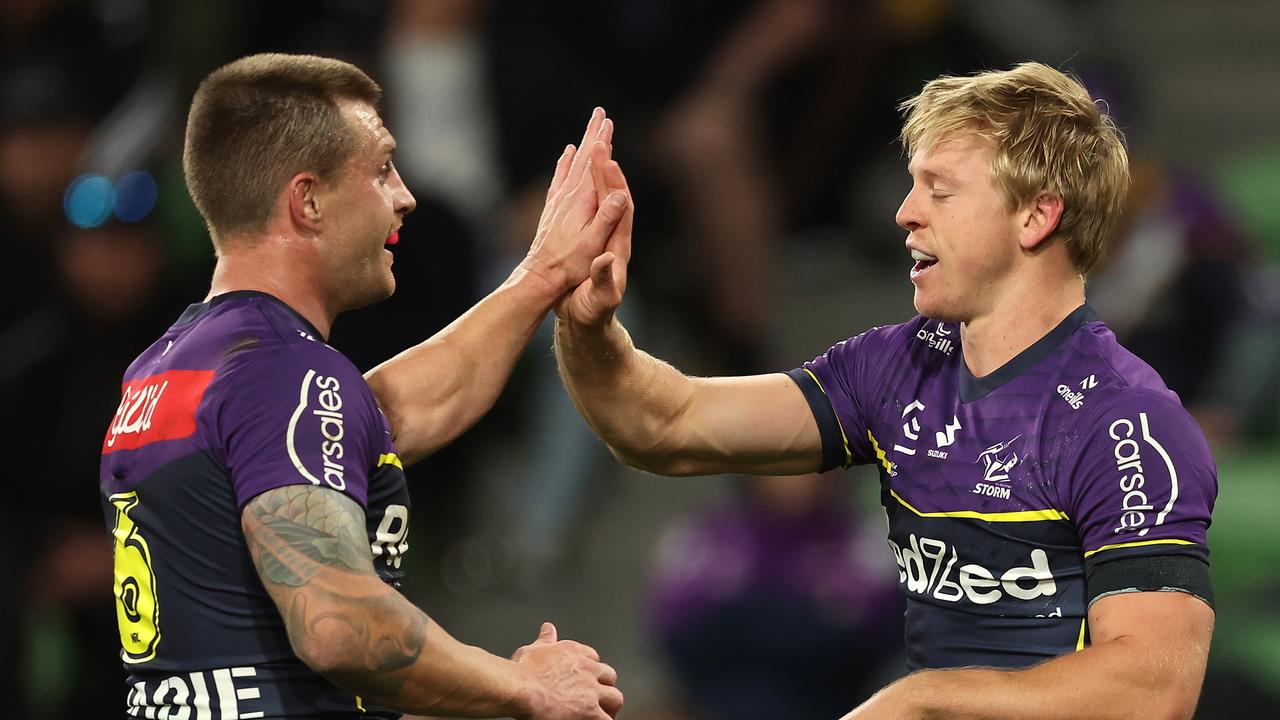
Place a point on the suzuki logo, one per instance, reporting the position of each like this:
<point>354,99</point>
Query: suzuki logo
<point>949,436</point>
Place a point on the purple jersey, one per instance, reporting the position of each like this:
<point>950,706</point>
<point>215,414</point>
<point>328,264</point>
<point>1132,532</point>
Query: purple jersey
<point>1018,498</point>
<point>238,397</point>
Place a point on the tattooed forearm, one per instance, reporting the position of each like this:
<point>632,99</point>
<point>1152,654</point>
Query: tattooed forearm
<point>311,550</point>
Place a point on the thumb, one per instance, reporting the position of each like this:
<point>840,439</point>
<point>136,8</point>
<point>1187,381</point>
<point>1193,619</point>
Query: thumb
<point>547,634</point>
<point>602,270</point>
<point>611,210</point>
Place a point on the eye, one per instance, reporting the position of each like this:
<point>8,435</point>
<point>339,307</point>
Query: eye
<point>939,195</point>
<point>384,172</point>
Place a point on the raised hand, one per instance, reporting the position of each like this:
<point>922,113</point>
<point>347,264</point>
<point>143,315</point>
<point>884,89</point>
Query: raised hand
<point>577,221</point>
<point>576,685</point>
<point>595,300</point>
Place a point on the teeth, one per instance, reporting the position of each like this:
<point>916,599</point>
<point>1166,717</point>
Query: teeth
<point>919,256</point>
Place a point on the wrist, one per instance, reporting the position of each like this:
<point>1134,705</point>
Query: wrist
<point>540,277</point>
<point>530,699</point>
<point>604,342</point>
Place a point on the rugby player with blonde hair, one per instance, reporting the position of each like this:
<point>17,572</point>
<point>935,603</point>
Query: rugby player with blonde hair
<point>1047,494</point>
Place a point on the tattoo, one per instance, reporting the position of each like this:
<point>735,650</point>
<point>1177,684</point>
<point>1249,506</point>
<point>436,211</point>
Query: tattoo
<point>311,549</point>
<point>297,530</point>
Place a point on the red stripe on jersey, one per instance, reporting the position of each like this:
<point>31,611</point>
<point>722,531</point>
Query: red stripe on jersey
<point>155,408</point>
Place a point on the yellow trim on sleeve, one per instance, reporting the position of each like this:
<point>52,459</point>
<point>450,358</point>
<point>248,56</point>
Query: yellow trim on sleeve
<point>884,460</point>
<point>360,704</point>
<point>1080,642</point>
<point>848,456</point>
<point>1140,543</point>
<point>390,459</point>
<point>1016,516</point>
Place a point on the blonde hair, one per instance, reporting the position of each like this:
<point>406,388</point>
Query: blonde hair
<point>256,122</point>
<point>1049,136</point>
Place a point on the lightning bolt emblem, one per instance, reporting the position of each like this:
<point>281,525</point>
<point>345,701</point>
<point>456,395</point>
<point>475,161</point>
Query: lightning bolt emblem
<point>949,436</point>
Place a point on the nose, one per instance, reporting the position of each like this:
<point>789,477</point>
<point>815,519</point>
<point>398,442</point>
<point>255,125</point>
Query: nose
<point>404,201</point>
<point>909,216</point>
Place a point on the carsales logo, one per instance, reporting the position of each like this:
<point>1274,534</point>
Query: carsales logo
<point>1136,505</point>
<point>327,413</point>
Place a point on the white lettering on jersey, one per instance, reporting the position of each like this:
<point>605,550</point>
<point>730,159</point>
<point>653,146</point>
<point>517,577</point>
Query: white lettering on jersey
<point>927,567</point>
<point>174,699</point>
<point>1135,504</point>
<point>937,339</point>
<point>332,429</point>
<point>136,409</point>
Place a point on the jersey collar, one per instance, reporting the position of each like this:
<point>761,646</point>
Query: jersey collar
<point>197,310</point>
<point>975,388</point>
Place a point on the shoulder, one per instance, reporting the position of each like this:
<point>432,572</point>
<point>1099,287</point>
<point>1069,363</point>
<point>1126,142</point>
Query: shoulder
<point>885,342</point>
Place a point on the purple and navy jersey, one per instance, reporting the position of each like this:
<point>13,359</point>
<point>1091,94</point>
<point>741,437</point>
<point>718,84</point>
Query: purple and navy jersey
<point>1017,499</point>
<point>238,397</point>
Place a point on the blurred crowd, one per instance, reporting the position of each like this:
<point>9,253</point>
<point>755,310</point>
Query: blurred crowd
<point>754,132</point>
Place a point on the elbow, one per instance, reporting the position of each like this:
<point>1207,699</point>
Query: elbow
<point>658,462</point>
<point>1178,704</point>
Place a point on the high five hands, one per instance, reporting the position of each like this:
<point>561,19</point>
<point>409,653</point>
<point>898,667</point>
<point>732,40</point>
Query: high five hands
<point>587,204</point>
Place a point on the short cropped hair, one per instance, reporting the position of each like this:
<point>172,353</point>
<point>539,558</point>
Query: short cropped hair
<point>260,120</point>
<point>1050,136</point>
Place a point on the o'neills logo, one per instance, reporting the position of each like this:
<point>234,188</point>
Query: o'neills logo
<point>327,412</point>
<point>156,407</point>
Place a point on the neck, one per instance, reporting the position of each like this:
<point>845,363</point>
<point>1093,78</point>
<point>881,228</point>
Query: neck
<point>269,266</point>
<point>996,337</point>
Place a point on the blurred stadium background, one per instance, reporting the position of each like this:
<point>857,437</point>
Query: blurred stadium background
<point>759,137</point>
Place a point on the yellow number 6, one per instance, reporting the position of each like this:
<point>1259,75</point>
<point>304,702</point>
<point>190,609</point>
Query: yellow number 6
<point>137,611</point>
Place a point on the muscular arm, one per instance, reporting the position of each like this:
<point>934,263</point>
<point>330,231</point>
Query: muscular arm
<point>655,418</point>
<point>437,389</point>
<point>1147,660</point>
<point>310,550</point>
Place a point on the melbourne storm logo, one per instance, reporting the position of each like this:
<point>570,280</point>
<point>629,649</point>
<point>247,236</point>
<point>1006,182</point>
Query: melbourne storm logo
<point>331,426</point>
<point>998,460</point>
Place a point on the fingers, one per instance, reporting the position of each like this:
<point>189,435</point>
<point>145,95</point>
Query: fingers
<point>591,134</point>
<point>620,240</point>
<point>608,675</point>
<point>611,701</point>
<point>588,651</point>
<point>547,634</point>
<point>562,170</point>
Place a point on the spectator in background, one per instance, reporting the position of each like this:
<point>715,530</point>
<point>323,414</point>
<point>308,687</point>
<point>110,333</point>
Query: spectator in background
<point>111,295</point>
<point>776,604</point>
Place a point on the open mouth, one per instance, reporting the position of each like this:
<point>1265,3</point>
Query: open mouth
<point>393,238</point>
<point>923,262</point>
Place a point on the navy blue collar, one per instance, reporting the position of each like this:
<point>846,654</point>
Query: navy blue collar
<point>197,310</point>
<point>975,388</point>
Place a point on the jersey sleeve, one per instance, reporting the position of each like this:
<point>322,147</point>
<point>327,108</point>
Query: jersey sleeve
<point>836,385</point>
<point>1141,492</point>
<point>296,415</point>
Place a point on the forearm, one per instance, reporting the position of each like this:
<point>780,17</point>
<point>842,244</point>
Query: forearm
<point>632,400</point>
<point>365,637</point>
<point>436,390</point>
<point>1118,679</point>
<point>447,678</point>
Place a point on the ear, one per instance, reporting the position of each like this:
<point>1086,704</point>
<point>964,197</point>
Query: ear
<point>304,203</point>
<point>1039,220</point>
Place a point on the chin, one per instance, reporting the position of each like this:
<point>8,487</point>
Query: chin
<point>936,308</point>
<point>372,293</point>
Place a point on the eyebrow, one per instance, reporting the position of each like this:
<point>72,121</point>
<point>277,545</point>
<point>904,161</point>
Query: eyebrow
<point>929,175</point>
